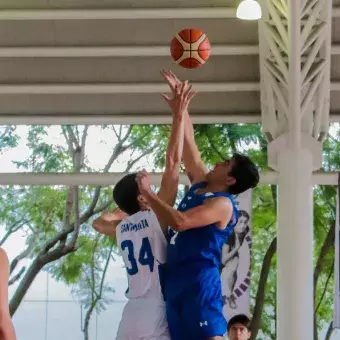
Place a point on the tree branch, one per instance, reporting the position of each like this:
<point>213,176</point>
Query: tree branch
<point>329,331</point>
<point>24,253</point>
<point>72,137</point>
<point>68,209</point>
<point>16,277</point>
<point>260,296</point>
<point>140,138</point>
<point>326,247</point>
<point>105,270</point>
<point>131,163</point>
<point>12,229</point>
<point>76,230</point>
<point>102,207</point>
<point>325,288</point>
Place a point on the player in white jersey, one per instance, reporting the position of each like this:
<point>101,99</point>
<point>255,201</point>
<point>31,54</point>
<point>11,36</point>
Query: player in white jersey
<point>141,237</point>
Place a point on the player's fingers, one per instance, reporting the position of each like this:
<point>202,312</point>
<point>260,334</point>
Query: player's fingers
<point>166,98</point>
<point>179,89</point>
<point>187,89</point>
<point>144,173</point>
<point>174,76</point>
<point>169,80</point>
<point>184,89</point>
<point>191,95</point>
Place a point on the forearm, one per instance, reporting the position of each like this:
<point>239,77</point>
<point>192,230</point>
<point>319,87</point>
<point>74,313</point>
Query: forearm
<point>6,329</point>
<point>169,216</point>
<point>107,228</point>
<point>191,155</point>
<point>170,179</point>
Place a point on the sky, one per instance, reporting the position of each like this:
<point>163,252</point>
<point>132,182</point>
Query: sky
<point>101,140</point>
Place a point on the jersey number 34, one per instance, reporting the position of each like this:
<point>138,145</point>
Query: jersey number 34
<point>145,257</point>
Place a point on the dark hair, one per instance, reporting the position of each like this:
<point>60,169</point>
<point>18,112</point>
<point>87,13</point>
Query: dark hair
<point>245,173</point>
<point>241,319</point>
<point>244,214</point>
<point>125,194</point>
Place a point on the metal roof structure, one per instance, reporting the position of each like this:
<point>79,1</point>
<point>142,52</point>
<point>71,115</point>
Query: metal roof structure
<point>98,61</point>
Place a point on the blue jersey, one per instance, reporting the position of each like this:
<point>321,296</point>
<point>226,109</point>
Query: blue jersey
<point>195,253</point>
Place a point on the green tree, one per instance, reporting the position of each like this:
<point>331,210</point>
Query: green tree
<point>91,290</point>
<point>55,219</point>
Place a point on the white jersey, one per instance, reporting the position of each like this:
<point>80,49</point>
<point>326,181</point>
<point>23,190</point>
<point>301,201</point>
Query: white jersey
<point>143,247</point>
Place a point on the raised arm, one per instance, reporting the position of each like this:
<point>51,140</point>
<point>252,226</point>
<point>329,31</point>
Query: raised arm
<point>6,327</point>
<point>194,166</point>
<point>217,210</point>
<point>107,223</point>
<point>182,96</point>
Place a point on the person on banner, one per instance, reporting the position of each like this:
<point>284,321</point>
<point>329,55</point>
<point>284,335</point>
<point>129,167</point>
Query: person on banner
<point>239,327</point>
<point>203,222</point>
<point>6,326</point>
<point>231,259</point>
<point>141,236</point>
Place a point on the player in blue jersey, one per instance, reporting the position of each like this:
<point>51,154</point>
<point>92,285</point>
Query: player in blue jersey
<point>202,224</point>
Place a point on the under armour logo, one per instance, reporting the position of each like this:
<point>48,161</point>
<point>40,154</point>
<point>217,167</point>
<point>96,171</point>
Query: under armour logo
<point>209,194</point>
<point>189,198</point>
<point>184,205</point>
<point>205,323</point>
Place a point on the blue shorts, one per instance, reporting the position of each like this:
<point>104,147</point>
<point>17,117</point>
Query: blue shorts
<point>197,313</point>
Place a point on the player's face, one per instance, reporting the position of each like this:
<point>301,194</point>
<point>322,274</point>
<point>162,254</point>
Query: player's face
<point>238,332</point>
<point>241,225</point>
<point>221,172</point>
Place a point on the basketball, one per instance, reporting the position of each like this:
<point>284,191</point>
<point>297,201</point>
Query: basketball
<point>190,48</point>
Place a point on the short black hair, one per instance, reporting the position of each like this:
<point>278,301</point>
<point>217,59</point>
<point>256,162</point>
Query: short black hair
<point>241,319</point>
<point>125,194</point>
<point>244,214</point>
<point>245,173</point>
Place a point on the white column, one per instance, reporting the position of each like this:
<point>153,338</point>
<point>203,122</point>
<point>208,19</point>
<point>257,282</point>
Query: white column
<point>295,245</point>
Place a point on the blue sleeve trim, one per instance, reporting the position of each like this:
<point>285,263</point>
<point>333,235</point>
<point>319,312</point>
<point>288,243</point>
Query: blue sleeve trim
<point>196,186</point>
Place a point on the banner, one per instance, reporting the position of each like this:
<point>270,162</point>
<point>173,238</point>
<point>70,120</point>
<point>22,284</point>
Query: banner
<point>235,262</point>
<point>336,321</point>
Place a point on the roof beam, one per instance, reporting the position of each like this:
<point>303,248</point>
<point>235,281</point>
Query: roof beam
<point>80,119</point>
<point>122,51</point>
<point>107,179</point>
<point>121,88</point>
<point>116,14</point>
<point>129,88</point>
<point>125,14</point>
<point>114,51</point>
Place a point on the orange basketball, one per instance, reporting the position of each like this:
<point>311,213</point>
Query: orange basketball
<point>190,48</point>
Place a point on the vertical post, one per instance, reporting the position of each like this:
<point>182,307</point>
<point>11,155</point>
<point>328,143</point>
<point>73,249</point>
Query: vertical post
<point>295,245</point>
<point>294,82</point>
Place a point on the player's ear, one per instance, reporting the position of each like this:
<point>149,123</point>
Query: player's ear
<point>142,202</point>
<point>230,181</point>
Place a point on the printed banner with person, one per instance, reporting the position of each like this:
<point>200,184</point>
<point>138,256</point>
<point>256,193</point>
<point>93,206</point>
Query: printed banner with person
<point>235,261</point>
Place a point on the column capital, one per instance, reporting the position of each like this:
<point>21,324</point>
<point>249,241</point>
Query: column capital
<point>308,143</point>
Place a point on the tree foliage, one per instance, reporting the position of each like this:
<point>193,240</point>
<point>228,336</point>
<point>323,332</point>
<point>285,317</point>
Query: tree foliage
<point>55,243</point>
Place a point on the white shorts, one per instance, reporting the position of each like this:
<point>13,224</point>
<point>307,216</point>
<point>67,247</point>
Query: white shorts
<point>143,319</point>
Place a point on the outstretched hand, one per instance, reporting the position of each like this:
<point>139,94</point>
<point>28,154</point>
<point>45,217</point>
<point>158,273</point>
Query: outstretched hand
<point>182,93</point>
<point>143,182</point>
<point>171,79</point>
